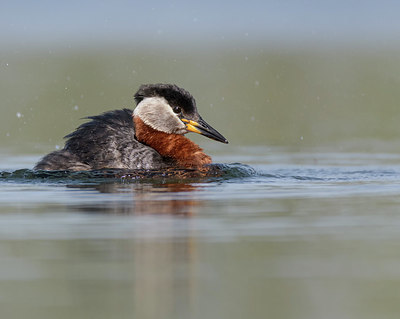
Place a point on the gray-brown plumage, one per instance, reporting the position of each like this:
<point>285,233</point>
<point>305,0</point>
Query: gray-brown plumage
<point>151,137</point>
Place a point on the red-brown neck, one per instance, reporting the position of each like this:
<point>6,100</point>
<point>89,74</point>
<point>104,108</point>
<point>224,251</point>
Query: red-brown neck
<point>178,147</point>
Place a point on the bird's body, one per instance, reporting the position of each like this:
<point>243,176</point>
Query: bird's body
<point>151,137</point>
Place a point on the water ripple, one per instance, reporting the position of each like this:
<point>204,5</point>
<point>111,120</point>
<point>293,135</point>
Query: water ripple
<point>214,173</point>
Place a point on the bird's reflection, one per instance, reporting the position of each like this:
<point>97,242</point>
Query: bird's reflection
<point>163,273</point>
<point>147,198</point>
<point>169,199</point>
<point>162,248</point>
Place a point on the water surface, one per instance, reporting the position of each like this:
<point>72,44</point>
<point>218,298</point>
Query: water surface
<point>284,234</point>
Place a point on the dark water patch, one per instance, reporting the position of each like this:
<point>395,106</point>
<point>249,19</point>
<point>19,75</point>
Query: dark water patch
<point>28,175</point>
<point>214,172</point>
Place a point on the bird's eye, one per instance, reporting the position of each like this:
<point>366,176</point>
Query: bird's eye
<point>176,109</point>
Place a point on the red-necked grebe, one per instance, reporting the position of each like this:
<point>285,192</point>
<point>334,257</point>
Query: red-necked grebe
<point>150,137</point>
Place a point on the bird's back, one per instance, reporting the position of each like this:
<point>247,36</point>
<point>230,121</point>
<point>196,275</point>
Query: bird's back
<point>107,141</point>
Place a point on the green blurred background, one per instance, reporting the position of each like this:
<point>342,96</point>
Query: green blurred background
<point>301,74</point>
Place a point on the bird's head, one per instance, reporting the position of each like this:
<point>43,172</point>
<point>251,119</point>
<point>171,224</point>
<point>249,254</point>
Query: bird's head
<point>171,109</point>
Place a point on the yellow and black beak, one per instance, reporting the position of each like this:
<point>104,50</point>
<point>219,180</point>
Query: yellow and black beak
<point>201,127</point>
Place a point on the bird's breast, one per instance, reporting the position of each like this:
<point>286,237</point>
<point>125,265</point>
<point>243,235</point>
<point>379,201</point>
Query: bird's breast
<point>174,146</point>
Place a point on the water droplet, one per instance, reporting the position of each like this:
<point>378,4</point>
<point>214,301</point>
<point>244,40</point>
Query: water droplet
<point>57,147</point>
<point>8,134</point>
<point>301,137</point>
<point>76,107</point>
<point>246,58</point>
<point>257,83</point>
<point>19,115</point>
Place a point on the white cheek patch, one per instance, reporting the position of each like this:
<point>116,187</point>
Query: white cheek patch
<point>157,113</point>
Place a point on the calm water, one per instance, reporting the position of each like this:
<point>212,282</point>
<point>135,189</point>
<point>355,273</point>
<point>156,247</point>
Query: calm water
<point>283,235</point>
